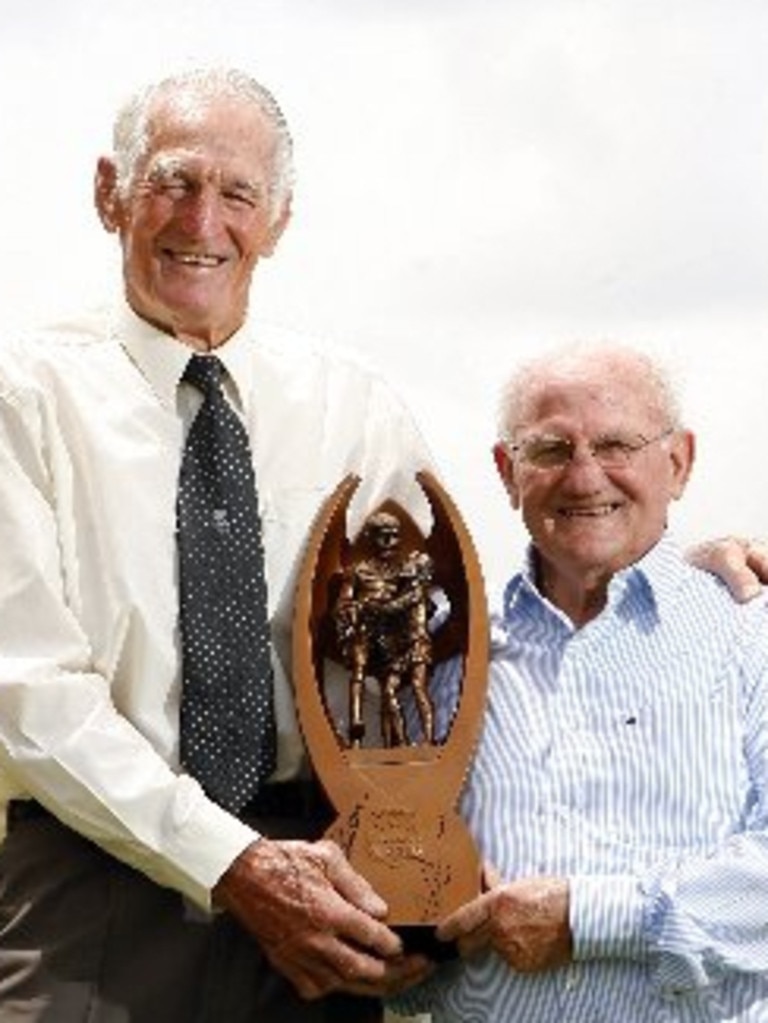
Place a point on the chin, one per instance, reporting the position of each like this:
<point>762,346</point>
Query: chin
<point>595,558</point>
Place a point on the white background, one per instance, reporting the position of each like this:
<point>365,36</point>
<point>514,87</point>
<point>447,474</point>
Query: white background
<point>478,179</point>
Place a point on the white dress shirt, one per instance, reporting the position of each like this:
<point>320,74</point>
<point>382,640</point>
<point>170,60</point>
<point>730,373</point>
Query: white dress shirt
<point>92,424</point>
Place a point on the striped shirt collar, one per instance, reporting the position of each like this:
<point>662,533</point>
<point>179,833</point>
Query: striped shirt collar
<point>654,580</point>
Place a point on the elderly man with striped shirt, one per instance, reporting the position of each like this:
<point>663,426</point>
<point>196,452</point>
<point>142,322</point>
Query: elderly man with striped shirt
<point>620,791</point>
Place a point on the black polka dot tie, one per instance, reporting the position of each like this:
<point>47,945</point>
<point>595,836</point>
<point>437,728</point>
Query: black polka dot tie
<point>227,714</point>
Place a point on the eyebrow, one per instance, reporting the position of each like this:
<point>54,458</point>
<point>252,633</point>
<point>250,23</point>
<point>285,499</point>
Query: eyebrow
<point>242,185</point>
<point>168,166</point>
<point>177,167</point>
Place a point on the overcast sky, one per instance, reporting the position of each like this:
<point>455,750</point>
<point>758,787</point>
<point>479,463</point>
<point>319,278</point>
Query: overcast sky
<point>477,179</point>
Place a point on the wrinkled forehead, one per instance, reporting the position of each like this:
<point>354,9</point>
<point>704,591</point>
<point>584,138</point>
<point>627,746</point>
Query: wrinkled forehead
<point>192,125</point>
<point>608,398</point>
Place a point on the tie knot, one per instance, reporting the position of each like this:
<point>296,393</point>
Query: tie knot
<point>204,373</point>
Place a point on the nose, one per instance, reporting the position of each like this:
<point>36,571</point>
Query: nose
<point>583,469</point>
<point>199,211</point>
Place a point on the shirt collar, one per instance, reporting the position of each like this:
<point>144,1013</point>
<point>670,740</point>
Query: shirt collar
<point>659,573</point>
<point>655,578</point>
<point>162,358</point>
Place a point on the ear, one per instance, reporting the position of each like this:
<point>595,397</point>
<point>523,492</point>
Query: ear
<point>505,467</point>
<point>105,194</point>
<point>682,454</point>
<point>276,228</point>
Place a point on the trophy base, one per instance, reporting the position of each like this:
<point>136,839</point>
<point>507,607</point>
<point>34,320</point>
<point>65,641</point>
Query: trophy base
<point>420,938</point>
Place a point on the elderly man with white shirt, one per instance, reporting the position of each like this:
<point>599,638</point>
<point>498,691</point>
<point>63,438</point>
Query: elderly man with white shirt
<point>134,889</point>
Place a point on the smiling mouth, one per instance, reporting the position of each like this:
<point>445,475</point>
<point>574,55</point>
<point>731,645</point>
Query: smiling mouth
<point>593,512</point>
<point>200,259</point>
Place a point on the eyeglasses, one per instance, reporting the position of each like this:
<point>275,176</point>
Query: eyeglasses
<point>611,451</point>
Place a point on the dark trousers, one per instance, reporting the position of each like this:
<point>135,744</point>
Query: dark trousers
<point>85,939</point>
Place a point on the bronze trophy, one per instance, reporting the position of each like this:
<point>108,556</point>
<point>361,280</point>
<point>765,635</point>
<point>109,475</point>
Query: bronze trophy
<point>377,618</point>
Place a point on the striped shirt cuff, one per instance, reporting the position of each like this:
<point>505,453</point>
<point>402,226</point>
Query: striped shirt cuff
<point>606,917</point>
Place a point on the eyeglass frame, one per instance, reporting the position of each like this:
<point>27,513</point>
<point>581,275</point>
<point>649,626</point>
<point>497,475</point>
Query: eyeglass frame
<point>628,450</point>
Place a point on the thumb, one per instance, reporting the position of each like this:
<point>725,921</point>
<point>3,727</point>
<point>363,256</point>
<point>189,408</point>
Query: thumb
<point>491,877</point>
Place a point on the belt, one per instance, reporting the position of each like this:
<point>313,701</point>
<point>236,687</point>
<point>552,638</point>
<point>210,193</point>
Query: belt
<point>300,799</point>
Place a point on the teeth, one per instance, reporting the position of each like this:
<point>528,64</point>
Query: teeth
<point>588,513</point>
<point>195,259</point>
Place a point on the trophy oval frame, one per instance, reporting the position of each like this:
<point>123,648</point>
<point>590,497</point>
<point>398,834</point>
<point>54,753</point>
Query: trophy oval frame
<point>396,805</point>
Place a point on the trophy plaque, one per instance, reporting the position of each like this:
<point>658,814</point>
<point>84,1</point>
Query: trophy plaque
<point>390,662</point>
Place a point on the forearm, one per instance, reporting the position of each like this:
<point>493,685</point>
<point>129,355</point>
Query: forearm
<point>63,742</point>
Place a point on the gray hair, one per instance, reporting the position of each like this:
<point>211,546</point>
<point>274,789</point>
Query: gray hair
<point>131,128</point>
<point>651,376</point>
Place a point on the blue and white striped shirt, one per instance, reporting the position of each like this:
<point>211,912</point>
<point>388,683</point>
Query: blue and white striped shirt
<point>630,756</point>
